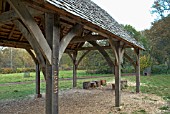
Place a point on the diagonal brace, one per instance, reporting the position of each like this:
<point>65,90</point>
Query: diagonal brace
<point>32,27</point>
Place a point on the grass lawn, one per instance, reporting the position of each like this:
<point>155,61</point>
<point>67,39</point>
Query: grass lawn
<point>19,77</point>
<point>19,91</point>
<point>156,84</point>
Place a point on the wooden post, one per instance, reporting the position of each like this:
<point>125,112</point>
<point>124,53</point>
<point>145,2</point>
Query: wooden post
<point>75,64</point>
<point>48,88</point>
<point>118,50</point>
<point>138,71</point>
<point>74,69</point>
<point>49,22</point>
<point>55,64</point>
<point>118,79</point>
<point>38,95</point>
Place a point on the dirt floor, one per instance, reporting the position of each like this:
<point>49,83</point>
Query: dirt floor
<point>93,101</point>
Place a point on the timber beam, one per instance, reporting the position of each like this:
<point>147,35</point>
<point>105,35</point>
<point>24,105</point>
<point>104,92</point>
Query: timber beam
<point>87,38</point>
<point>104,53</point>
<point>77,29</point>
<point>92,48</point>
<point>32,27</point>
<point>32,55</point>
<point>28,36</point>
<point>37,60</point>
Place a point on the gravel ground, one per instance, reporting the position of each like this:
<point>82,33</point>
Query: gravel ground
<point>93,101</point>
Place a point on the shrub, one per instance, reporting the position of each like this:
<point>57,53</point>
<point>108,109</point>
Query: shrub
<point>128,69</point>
<point>6,70</point>
<point>159,69</point>
<point>17,70</point>
<point>145,62</point>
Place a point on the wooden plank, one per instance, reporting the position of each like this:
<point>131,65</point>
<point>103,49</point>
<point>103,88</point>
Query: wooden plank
<point>66,40</point>
<point>33,28</point>
<point>55,64</point>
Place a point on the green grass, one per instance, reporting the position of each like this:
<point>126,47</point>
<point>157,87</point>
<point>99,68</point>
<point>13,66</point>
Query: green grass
<point>19,77</point>
<point>157,84</point>
<point>19,91</point>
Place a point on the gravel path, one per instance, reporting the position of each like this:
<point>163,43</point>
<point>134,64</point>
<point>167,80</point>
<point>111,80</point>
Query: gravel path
<point>94,101</point>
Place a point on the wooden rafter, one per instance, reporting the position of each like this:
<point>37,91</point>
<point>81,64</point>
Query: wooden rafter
<point>16,44</point>
<point>11,33</point>
<point>21,38</point>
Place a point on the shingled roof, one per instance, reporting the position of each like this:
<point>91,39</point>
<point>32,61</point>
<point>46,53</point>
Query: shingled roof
<point>88,10</point>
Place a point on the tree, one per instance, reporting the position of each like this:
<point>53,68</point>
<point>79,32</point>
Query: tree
<point>18,57</point>
<point>159,36</point>
<point>161,7</point>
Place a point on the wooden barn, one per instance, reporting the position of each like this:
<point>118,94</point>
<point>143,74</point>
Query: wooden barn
<point>49,28</point>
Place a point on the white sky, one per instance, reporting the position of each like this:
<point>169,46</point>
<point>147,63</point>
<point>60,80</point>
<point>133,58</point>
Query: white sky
<point>133,12</point>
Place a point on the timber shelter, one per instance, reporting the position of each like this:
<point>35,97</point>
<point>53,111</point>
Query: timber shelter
<point>49,28</point>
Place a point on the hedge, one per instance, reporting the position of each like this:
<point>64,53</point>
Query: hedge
<point>16,70</point>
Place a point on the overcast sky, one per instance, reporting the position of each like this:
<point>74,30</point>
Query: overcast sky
<point>133,12</point>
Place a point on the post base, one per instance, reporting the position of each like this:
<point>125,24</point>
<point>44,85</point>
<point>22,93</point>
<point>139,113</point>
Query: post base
<point>38,96</point>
